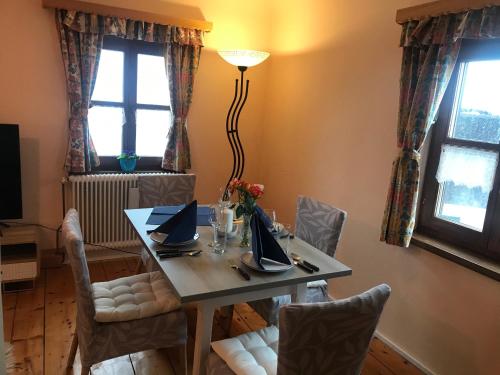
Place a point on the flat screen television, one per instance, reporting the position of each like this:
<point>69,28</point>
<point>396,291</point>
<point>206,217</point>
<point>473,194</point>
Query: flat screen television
<point>11,206</point>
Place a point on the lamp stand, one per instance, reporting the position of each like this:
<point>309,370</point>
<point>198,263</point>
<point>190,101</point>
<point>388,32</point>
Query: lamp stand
<point>233,115</point>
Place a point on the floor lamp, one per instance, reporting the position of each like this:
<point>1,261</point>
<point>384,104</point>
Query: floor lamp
<point>243,59</point>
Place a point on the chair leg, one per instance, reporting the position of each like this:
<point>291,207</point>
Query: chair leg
<point>72,351</point>
<point>183,358</point>
<point>227,315</point>
<point>85,370</point>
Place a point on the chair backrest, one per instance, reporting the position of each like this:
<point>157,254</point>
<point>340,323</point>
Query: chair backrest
<point>329,337</point>
<point>75,248</point>
<point>319,224</point>
<point>171,189</point>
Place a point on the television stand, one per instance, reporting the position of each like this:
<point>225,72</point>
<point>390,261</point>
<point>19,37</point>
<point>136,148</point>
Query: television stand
<point>20,258</point>
<point>3,225</point>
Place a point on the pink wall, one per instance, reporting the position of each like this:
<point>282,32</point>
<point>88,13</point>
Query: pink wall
<point>330,132</point>
<point>320,121</point>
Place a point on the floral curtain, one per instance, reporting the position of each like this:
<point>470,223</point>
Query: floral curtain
<point>81,37</point>
<point>181,62</point>
<point>430,51</point>
<point>80,52</point>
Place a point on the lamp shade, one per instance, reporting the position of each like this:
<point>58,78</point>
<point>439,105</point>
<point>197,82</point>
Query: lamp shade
<point>243,57</point>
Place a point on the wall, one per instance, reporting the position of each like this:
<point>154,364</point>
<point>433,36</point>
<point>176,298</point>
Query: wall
<point>34,95</point>
<point>330,132</point>
<point>321,116</point>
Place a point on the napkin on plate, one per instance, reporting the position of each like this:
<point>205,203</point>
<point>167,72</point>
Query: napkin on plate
<point>266,250</point>
<point>182,226</point>
<point>268,222</point>
<point>161,214</point>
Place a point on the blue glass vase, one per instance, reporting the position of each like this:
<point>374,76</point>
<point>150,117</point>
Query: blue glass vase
<point>128,165</point>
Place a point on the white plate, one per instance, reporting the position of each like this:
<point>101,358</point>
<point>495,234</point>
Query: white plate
<point>248,260</point>
<point>160,237</point>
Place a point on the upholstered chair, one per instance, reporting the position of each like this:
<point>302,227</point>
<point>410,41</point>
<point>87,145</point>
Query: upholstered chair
<point>163,190</point>
<point>320,225</point>
<point>121,316</point>
<point>313,339</point>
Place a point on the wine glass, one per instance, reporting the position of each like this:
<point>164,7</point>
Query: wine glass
<point>224,197</point>
<point>271,213</point>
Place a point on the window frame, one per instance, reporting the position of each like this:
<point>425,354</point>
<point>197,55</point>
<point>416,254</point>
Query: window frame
<point>487,242</point>
<point>131,49</point>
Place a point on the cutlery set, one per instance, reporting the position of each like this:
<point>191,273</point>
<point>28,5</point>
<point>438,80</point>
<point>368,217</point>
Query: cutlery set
<point>305,265</point>
<point>177,253</point>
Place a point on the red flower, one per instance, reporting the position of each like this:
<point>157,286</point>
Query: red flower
<point>256,190</point>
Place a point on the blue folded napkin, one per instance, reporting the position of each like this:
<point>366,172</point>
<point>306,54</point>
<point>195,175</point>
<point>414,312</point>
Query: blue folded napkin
<point>167,210</point>
<point>161,214</point>
<point>268,222</point>
<point>181,227</point>
<point>264,245</point>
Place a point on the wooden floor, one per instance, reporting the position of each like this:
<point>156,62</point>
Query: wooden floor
<point>40,325</point>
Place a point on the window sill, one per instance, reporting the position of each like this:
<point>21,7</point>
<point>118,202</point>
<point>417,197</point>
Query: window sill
<point>486,267</point>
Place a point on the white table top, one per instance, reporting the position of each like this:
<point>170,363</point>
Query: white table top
<point>208,275</point>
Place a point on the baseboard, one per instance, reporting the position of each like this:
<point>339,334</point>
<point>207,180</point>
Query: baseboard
<point>403,354</point>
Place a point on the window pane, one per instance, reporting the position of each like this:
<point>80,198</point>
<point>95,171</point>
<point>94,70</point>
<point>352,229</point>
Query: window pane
<point>109,82</point>
<point>105,124</point>
<point>151,134</point>
<point>465,177</point>
<point>477,105</point>
<point>152,84</point>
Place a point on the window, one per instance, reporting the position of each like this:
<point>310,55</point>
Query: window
<point>130,103</point>
<point>461,203</point>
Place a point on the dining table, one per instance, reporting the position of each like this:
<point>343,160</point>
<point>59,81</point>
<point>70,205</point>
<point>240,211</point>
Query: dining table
<point>209,281</point>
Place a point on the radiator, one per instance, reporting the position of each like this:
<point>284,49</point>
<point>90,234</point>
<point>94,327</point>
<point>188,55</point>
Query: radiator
<point>100,201</point>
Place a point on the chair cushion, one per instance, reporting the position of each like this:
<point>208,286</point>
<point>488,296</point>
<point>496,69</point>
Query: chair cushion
<point>134,297</point>
<point>253,353</point>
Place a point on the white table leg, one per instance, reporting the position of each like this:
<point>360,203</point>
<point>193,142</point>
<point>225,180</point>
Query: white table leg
<point>299,296</point>
<point>203,337</point>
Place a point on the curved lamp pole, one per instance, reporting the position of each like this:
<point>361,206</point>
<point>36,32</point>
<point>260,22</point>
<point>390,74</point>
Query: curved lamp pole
<point>242,59</point>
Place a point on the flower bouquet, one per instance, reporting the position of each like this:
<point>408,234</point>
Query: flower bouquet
<point>247,201</point>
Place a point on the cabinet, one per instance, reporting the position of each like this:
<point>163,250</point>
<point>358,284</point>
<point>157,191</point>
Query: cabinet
<point>20,258</point>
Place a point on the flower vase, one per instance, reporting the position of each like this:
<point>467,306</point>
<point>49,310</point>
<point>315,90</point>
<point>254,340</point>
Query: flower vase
<point>245,231</point>
<point>128,165</point>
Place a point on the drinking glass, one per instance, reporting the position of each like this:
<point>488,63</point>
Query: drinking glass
<point>214,223</point>
<point>285,237</point>
<point>220,238</point>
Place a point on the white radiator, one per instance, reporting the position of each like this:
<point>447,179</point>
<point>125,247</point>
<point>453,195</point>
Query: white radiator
<point>100,200</point>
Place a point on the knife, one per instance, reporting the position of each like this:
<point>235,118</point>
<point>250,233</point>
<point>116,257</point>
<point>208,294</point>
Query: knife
<point>310,265</point>
<point>303,266</point>
<point>299,259</point>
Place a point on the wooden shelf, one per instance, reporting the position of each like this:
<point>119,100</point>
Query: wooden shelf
<point>20,257</point>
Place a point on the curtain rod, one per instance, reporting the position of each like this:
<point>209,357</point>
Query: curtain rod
<point>105,10</point>
<point>437,8</point>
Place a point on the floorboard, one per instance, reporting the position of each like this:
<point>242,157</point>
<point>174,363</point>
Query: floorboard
<point>60,315</point>
<point>40,324</point>
<point>9,301</point>
<point>392,360</point>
